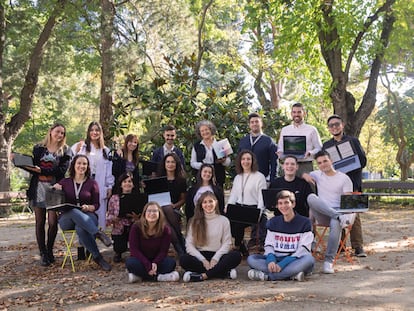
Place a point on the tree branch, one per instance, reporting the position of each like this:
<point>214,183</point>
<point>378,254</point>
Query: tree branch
<point>369,21</point>
<point>32,75</point>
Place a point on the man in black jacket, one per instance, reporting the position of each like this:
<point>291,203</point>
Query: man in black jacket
<point>336,128</point>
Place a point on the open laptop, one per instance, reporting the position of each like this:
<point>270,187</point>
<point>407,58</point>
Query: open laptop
<point>269,198</point>
<point>132,203</point>
<point>294,145</point>
<point>157,190</point>
<point>148,167</point>
<point>354,203</point>
<point>243,214</point>
<point>344,157</point>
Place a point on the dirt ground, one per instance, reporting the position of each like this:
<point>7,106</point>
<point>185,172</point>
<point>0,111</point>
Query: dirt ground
<point>382,281</point>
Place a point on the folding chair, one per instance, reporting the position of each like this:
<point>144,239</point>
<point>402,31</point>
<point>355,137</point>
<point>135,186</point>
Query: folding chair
<point>69,239</point>
<point>319,249</point>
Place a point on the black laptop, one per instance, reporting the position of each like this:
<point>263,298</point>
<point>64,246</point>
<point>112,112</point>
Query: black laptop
<point>269,198</point>
<point>149,167</point>
<point>132,203</point>
<point>156,185</point>
<point>245,214</point>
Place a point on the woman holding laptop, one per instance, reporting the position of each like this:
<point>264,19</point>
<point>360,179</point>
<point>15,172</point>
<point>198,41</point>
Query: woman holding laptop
<point>247,192</point>
<point>171,168</point>
<point>51,158</point>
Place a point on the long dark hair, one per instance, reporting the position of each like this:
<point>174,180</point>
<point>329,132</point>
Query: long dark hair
<point>198,221</point>
<point>101,143</point>
<point>72,166</point>
<point>179,172</point>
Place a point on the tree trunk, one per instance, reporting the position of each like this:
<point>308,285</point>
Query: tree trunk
<point>343,101</point>
<point>107,70</point>
<point>9,131</point>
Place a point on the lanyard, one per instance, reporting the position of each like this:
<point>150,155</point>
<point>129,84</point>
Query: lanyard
<point>255,141</point>
<point>244,182</point>
<point>77,191</point>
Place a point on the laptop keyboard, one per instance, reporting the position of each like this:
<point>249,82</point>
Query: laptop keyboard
<point>345,163</point>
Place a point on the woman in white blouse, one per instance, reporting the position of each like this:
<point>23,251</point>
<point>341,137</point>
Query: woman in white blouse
<point>101,167</point>
<point>203,151</point>
<point>247,191</point>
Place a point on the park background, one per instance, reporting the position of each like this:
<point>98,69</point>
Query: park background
<point>138,65</point>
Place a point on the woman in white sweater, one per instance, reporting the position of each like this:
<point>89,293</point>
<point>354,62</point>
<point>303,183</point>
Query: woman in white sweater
<point>208,244</point>
<point>247,191</point>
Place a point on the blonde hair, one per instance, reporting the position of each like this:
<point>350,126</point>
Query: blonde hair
<point>62,147</point>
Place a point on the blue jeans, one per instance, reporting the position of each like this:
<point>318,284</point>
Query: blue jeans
<point>86,226</point>
<point>326,216</point>
<point>304,263</point>
<point>135,266</point>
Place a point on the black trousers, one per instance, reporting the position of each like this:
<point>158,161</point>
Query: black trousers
<point>121,241</point>
<point>227,262</point>
<point>237,230</point>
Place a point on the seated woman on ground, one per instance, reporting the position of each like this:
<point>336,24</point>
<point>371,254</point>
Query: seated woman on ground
<point>208,244</point>
<point>287,245</point>
<point>149,242</point>
<point>81,190</point>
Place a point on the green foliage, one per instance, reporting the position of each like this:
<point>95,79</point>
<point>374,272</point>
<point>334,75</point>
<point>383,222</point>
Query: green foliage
<point>172,100</point>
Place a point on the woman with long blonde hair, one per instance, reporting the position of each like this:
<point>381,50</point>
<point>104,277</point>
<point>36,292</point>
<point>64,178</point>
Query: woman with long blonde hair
<point>51,158</point>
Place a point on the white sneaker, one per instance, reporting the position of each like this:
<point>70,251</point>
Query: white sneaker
<point>346,219</point>
<point>168,277</point>
<point>257,275</point>
<point>328,267</point>
<point>132,278</point>
<point>232,274</point>
<point>300,277</point>
<point>187,276</point>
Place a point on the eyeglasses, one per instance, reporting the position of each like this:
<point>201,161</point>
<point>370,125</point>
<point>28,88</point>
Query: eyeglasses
<point>152,211</point>
<point>336,124</point>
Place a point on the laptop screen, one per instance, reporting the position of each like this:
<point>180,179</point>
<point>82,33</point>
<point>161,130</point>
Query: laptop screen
<point>294,144</point>
<point>354,203</point>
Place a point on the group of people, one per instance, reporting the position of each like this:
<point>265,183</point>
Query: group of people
<point>207,251</point>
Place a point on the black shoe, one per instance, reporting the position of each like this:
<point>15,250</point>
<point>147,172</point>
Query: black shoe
<point>81,253</point>
<point>102,263</point>
<point>103,238</point>
<point>192,277</point>
<point>44,260</point>
<point>117,258</point>
<point>50,256</point>
<point>359,252</point>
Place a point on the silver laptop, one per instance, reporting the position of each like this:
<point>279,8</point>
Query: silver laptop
<point>354,203</point>
<point>344,157</point>
<point>294,145</point>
